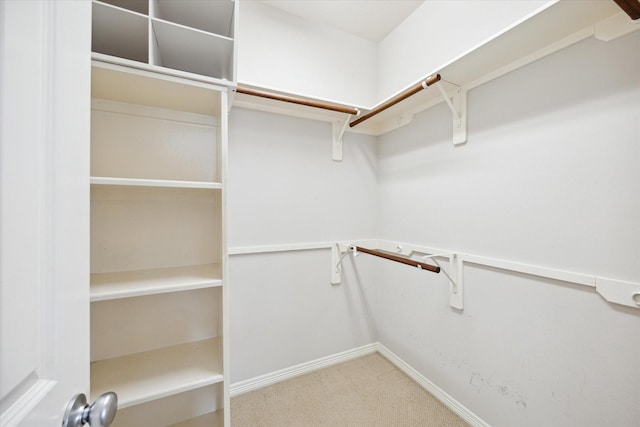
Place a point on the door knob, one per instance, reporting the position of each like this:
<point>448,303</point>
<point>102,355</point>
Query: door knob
<point>99,414</point>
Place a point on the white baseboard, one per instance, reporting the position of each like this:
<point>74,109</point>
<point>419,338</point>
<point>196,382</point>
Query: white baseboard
<point>455,406</point>
<point>256,383</point>
<point>304,368</point>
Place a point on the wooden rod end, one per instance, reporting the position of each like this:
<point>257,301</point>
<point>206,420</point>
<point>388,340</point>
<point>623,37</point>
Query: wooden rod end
<point>433,79</point>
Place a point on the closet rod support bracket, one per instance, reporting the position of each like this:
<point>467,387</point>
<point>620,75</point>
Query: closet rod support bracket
<point>339,128</point>
<point>454,275</point>
<point>338,252</point>
<point>336,264</point>
<point>457,103</point>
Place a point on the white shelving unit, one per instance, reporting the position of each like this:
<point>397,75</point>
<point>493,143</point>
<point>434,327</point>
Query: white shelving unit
<point>158,251</point>
<point>170,36</point>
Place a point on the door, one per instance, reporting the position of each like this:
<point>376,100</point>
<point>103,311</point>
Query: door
<point>44,208</point>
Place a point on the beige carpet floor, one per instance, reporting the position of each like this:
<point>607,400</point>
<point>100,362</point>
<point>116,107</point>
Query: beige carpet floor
<point>368,392</point>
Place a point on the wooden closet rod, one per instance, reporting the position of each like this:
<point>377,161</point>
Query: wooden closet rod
<point>400,97</point>
<point>630,7</point>
<point>299,101</point>
<point>402,260</point>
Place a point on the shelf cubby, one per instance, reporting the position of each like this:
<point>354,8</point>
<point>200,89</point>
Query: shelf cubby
<point>154,146</point>
<point>188,38</point>
<point>128,39</point>
<point>142,228</point>
<point>194,51</point>
<point>137,88</point>
<point>210,16</point>
<point>133,325</point>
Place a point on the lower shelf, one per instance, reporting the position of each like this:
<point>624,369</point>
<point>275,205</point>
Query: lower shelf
<point>206,403</point>
<point>212,419</point>
<point>142,377</point>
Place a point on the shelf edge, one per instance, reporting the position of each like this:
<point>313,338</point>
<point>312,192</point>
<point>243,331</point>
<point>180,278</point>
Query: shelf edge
<point>160,183</point>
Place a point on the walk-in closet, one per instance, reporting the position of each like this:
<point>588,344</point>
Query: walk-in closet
<point>231,213</point>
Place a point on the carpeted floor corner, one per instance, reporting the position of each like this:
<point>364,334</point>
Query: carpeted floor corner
<point>368,392</point>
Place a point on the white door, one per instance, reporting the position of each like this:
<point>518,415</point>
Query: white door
<point>44,208</point>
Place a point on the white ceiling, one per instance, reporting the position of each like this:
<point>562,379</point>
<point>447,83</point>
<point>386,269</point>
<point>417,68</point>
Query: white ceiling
<point>369,19</point>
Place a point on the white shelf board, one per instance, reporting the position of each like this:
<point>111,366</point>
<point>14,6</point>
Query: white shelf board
<point>194,51</point>
<point>211,16</point>
<point>119,32</point>
<point>131,82</point>
<point>143,377</point>
<point>555,27</point>
<point>559,25</point>
<point>135,182</point>
<point>212,419</point>
<point>125,284</point>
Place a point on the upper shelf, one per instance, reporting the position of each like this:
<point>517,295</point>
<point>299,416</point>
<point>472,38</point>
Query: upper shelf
<point>559,25</point>
<point>192,39</point>
<point>142,87</point>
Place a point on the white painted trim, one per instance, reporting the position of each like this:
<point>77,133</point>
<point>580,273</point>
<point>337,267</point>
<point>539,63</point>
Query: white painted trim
<point>289,247</point>
<point>619,292</point>
<point>244,250</point>
<point>408,249</point>
<point>458,408</point>
<point>615,26</point>
<point>298,370</point>
<point>588,280</point>
<point>533,270</point>
<point>25,404</point>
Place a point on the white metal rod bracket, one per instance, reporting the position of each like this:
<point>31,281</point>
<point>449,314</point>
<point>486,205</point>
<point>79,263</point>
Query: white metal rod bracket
<point>339,129</point>
<point>338,252</point>
<point>336,265</point>
<point>456,283</point>
<point>457,103</point>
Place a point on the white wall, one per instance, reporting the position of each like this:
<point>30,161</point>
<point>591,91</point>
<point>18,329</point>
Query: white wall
<point>284,188</point>
<point>440,31</point>
<point>550,176</point>
<point>281,51</point>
